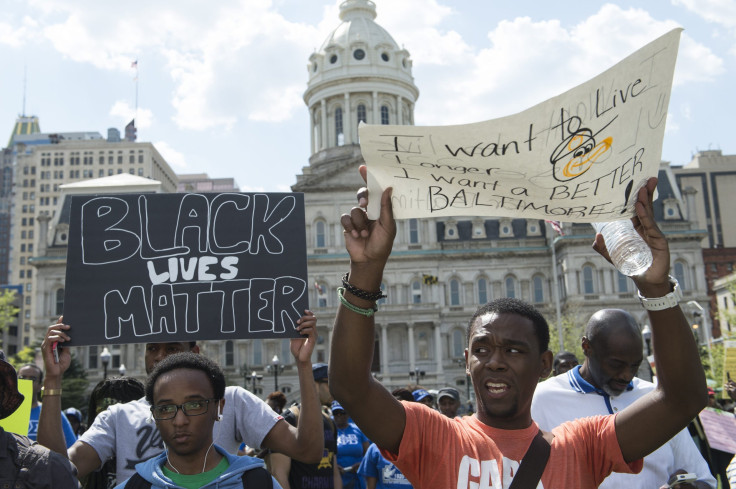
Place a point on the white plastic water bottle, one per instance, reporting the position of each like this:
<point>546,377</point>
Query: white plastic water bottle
<point>628,251</point>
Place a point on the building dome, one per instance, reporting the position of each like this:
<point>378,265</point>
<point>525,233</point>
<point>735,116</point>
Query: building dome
<point>358,74</point>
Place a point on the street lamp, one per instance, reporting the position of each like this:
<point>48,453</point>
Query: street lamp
<point>122,370</point>
<point>254,377</point>
<point>646,334</point>
<point>276,367</point>
<point>417,374</point>
<point>105,358</point>
<point>700,312</point>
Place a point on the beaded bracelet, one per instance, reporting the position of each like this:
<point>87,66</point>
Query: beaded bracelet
<point>363,294</point>
<point>359,310</point>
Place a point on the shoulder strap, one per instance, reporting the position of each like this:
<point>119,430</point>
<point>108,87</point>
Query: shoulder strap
<point>533,464</point>
<point>137,482</point>
<point>258,478</point>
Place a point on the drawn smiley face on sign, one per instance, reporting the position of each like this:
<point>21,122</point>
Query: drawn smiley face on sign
<point>577,153</point>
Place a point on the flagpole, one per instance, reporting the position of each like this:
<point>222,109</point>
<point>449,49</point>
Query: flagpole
<point>555,288</point>
<point>134,64</point>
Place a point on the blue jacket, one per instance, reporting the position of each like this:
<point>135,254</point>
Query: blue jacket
<point>232,478</point>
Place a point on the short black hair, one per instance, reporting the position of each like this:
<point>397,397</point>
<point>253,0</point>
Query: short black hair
<point>508,305</point>
<point>121,389</point>
<point>191,361</point>
<point>563,355</point>
<point>33,365</point>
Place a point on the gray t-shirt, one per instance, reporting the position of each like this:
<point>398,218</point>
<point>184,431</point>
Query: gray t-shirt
<point>124,431</point>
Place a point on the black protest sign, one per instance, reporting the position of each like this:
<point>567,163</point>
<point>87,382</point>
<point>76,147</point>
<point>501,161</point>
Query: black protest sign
<point>185,267</point>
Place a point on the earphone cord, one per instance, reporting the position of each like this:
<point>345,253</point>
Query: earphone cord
<point>203,465</point>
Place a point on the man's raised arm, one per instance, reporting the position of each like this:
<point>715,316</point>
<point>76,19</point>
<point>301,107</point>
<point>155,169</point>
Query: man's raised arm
<point>306,442</point>
<point>50,433</point>
<point>381,417</point>
<point>681,391</point>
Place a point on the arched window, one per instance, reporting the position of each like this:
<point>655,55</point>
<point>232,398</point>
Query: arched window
<point>681,275</point>
<point>454,292</point>
<point>413,231</point>
<point>229,353</point>
<point>319,234</point>
<point>482,291</point>
<point>339,136</point>
<point>384,115</point>
<point>59,302</point>
<point>458,343</point>
<point>538,285</point>
<point>510,287</point>
<point>416,292</point>
<point>257,351</point>
<point>588,280</point>
<point>361,113</point>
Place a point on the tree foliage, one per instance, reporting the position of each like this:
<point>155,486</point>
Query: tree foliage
<point>8,310</point>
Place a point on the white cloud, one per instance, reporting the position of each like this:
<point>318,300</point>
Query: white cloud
<point>527,62</point>
<point>123,110</point>
<point>722,12</point>
<point>174,158</point>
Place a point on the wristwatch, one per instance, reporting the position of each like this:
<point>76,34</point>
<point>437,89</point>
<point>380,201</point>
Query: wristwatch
<point>661,303</point>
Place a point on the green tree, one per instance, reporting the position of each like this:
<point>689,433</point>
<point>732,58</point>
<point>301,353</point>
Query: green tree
<point>25,356</point>
<point>8,310</point>
<point>74,383</point>
<point>573,324</point>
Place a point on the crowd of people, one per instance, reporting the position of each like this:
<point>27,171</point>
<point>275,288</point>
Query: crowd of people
<point>587,425</point>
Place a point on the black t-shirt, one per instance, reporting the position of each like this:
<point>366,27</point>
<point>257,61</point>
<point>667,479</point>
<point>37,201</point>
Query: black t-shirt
<point>319,475</point>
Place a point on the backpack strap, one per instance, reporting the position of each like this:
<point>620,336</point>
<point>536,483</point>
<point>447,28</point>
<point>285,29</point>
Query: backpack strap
<point>257,478</point>
<point>532,465</point>
<point>137,482</point>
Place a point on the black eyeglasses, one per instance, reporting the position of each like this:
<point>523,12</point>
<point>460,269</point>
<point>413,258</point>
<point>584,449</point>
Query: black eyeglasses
<point>191,408</point>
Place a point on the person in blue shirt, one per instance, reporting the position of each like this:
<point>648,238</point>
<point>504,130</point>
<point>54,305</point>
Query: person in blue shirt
<point>379,473</point>
<point>351,446</point>
<point>34,373</point>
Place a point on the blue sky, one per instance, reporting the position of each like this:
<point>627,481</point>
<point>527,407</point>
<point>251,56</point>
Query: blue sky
<point>221,83</point>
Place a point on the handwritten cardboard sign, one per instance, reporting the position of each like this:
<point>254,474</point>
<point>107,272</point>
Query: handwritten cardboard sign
<point>720,429</point>
<point>578,157</point>
<point>185,267</point>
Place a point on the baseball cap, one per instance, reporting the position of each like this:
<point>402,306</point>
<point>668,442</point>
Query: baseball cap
<point>74,412</point>
<point>337,407</point>
<point>448,392</point>
<point>10,398</point>
<point>420,394</point>
<point>319,371</point>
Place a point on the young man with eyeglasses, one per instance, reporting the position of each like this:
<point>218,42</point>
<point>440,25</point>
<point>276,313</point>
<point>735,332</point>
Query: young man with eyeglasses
<point>122,431</point>
<point>186,392</point>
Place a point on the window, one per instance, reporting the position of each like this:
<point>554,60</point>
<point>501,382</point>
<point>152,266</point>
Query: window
<point>59,302</point>
<point>454,292</point>
<point>384,299</point>
<point>482,291</point>
<point>623,282</point>
<point>361,113</point>
<point>229,349</point>
<point>416,292</point>
<point>339,136</point>
<point>319,237</point>
<point>680,275</point>
<point>458,343</point>
<point>92,356</point>
<point>538,285</point>
<point>413,231</point>
<point>257,352</point>
<point>384,115</point>
<point>588,280</point>
<point>510,287</point>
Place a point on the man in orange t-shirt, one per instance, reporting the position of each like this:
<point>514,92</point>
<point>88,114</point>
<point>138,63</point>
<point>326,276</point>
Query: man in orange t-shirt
<point>507,355</point>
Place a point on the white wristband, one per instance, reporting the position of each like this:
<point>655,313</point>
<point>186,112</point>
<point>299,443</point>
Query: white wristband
<point>660,303</point>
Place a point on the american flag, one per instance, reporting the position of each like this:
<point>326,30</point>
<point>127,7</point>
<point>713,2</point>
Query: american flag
<point>320,288</point>
<point>557,226</point>
<point>134,64</point>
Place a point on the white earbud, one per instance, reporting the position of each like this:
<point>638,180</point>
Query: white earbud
<point>219,415</point>
<point>150,418</point>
